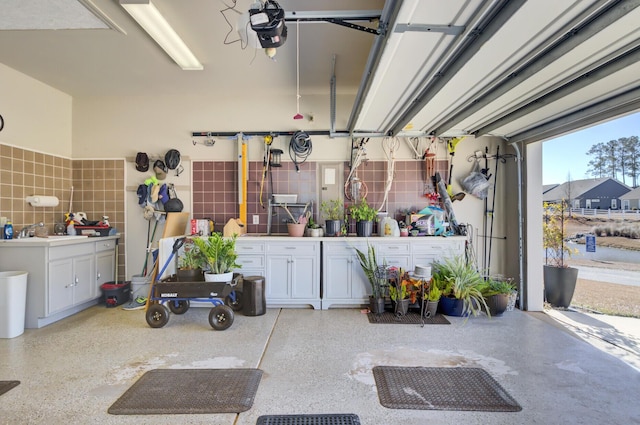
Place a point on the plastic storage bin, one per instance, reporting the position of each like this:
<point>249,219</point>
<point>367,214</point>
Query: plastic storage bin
<point>253,296</point>
<point>13,302</point>
<point>114,294</point>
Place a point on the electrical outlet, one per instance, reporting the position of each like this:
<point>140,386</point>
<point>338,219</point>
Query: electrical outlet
<point>256,219</point>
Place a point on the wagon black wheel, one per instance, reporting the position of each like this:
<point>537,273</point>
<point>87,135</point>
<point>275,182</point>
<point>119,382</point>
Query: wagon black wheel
<point>157,315</point>
<point>221,317</point>
<point>179,307</point>
<point>237,304</point>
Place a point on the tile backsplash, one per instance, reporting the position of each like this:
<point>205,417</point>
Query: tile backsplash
<point>215,189</point>
<point>98,189</point>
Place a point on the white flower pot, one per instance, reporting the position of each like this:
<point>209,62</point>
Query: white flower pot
<point>223,277</point>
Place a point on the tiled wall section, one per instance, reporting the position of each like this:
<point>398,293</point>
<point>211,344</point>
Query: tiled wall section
<point>215,188</point>
<point>98,189</point>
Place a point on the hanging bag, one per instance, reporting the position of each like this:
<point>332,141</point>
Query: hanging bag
<point>476,183</point>
<point>173,204</point>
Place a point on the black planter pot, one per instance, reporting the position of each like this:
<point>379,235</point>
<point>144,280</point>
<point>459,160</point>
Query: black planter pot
<point>559,284</point>
<point>376,305</point>
<point>364,228</point>
<point>451,306</point>
<point>190,275</point>
<point>333,227</point>
<point>497,304</point>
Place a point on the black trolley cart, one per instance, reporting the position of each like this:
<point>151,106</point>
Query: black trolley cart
<point>178,295</point>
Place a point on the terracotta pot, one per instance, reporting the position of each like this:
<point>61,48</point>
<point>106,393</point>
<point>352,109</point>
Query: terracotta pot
<point>296,230</point>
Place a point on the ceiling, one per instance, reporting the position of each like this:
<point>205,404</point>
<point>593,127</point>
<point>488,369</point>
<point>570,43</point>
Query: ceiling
<point>522,70</point>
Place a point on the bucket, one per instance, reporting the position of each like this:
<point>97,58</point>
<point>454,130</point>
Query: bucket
<point>13,302</point>
<point>140,286</point>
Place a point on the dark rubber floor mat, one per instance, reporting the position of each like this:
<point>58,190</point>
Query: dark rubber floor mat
<point>7,385</point>
<point>410,318</point>
<point>173,391</point>
<point>441,388</point>
<point>333,419</point>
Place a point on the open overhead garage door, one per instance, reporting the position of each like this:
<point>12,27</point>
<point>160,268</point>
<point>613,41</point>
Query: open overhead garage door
<point>522,70</point>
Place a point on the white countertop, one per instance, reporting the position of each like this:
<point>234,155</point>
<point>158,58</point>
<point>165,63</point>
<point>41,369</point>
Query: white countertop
<point>284,237</point>
<point>53,240</point>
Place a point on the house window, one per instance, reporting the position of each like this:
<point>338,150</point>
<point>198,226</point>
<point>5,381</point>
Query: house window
<point>576,203</point>
<point>626,204</point>
<point>614,204</point>
<point>588,203</point>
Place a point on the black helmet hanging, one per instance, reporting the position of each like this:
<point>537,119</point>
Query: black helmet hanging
<point>172,159</point>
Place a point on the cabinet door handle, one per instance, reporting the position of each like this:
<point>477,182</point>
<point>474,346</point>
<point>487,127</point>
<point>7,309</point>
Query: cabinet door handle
<point>76,281</point>
<point>289,247</point>
<point>98,277</point>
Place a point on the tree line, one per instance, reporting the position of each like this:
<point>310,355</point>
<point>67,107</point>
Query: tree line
<point>616,158</point>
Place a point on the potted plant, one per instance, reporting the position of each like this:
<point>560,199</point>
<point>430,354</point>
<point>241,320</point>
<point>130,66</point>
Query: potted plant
<point>333,213</point>
<point>220,256</point>
<point>496,293</point>
<point>190,262</point>
<point>462,283</point>
<point>314,229</point>
<point>559,279</point>
<point>433,298</point>
<point>401,290</point>
<point>377,277</point>
<point>364,215</point>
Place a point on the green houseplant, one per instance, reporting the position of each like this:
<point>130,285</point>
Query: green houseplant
<point>220,256</point>
<point>496,292</point>
<point>433,299</point>
<point>333,213</point>
<point>462,283</point>
<point>190,262</point>
<point>401,290</point>
<point>559,279</point>
<point>377,277</point>
<point>364,215</point>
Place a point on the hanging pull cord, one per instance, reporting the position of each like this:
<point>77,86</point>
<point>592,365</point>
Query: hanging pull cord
<point>300,148</point>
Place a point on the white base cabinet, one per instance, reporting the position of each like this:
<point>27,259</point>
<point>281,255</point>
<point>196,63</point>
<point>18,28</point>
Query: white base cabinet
<point>343,281</point>
<point>64,275</point>
<point>291,268</point>
<point>325,272</point>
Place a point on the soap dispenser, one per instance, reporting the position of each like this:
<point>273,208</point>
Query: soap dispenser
<point>8,230</point>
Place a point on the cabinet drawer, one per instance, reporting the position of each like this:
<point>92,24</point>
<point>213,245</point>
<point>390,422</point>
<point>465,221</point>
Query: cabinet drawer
<point>393,248</point>
<point>67,251</point>
<point>293,247</point>
<point>438,246</point>
<point>251,261</point>
<point>249,248</point>
<point>105,245</point>
<point>343,247</point>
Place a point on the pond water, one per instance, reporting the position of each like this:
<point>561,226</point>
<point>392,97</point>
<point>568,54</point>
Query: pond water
<point>604,253</point>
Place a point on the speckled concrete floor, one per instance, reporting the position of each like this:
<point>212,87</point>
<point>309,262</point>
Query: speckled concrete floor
<point>313,362</point>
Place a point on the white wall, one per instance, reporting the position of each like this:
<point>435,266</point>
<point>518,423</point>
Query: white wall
<point>36,116</point>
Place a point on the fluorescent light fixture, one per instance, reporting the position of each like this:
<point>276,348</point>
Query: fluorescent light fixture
<point>150,19</point>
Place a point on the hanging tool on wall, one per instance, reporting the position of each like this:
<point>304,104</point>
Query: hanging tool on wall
<point>354,188</point>
<point>389,145</point>
<point>268,139</point>
<point>451,147</point>
<point>429,158</point>
<point>300,148</point>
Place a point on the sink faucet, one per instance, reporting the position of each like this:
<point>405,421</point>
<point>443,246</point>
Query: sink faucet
<point>27,231</point>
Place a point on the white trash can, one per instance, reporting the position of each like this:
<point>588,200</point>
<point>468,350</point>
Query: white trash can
<point>13,302</point>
